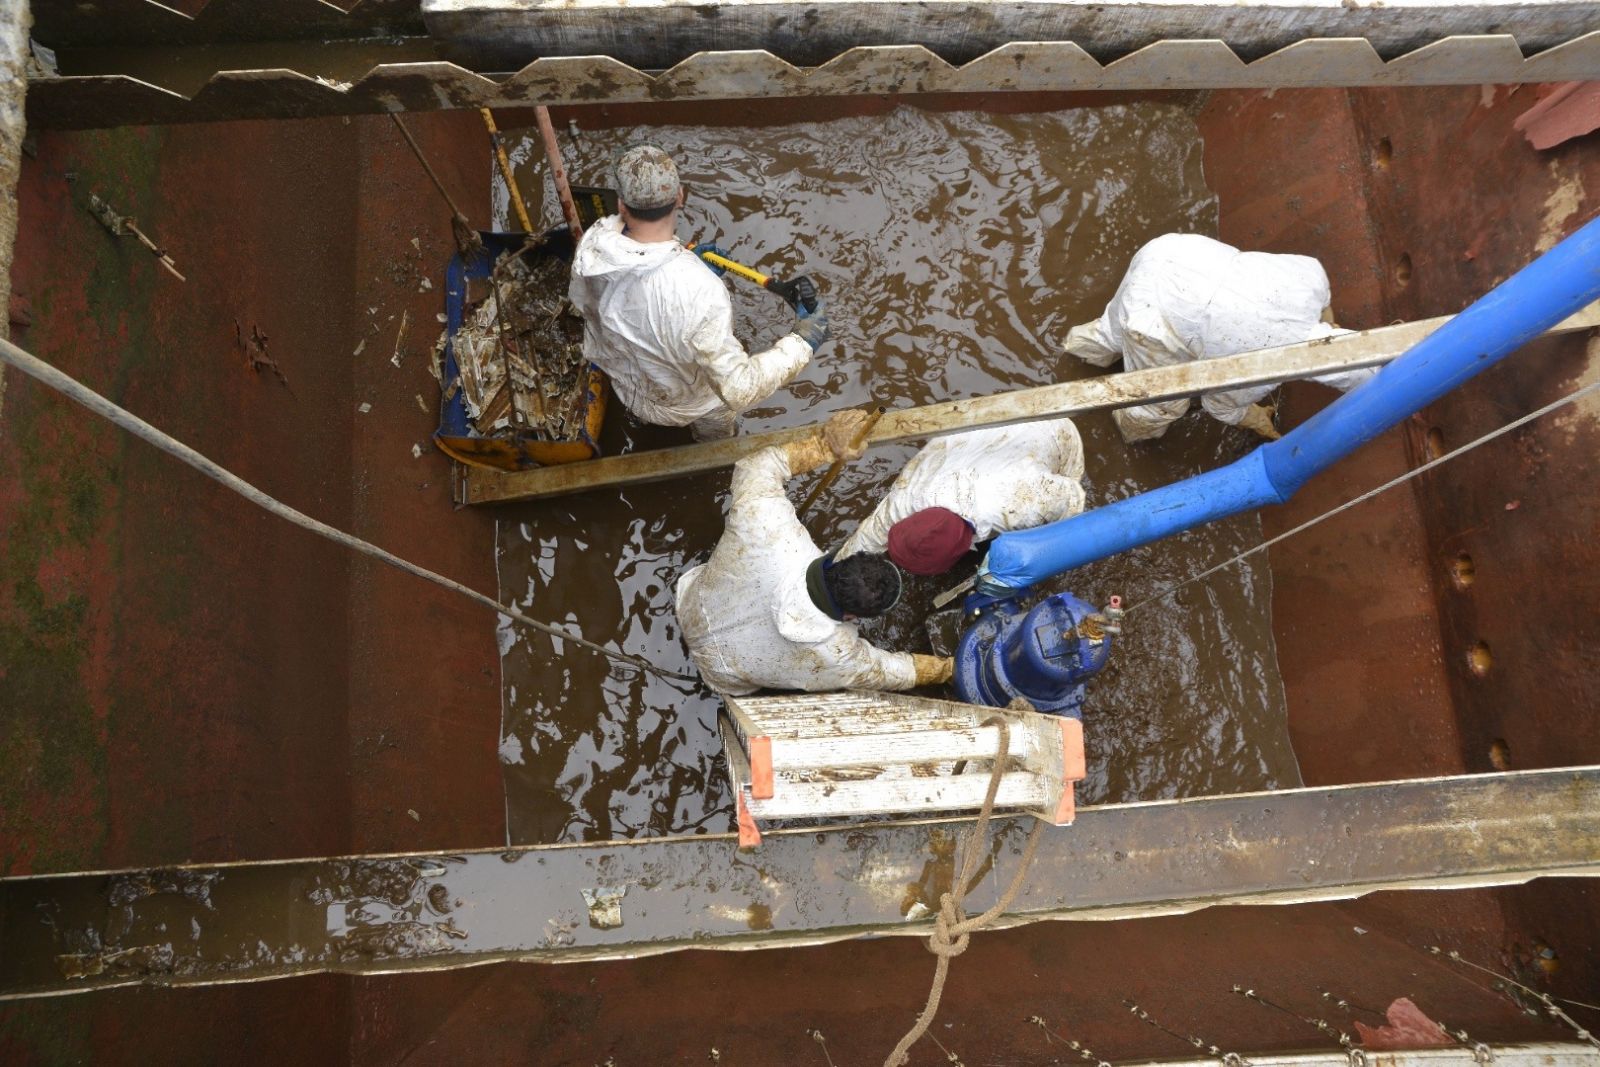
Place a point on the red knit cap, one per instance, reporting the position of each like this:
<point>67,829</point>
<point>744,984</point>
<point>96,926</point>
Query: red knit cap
<point>929,541</point>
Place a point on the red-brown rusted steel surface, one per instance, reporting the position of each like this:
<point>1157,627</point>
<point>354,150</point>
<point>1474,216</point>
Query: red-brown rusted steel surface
<point>186,676</point>
<point>1466,200</point>
<point>1291,173</point>
<point>1418,201</point>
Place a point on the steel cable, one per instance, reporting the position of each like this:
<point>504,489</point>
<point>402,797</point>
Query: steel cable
<point>1369,494</point>
<point>76,391</point>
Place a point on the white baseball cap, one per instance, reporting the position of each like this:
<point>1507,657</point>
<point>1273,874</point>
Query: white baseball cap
<point>646,178</point>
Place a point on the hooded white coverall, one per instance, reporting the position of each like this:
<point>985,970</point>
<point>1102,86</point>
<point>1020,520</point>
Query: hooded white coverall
<point>746,616</point>
<point>998,479</point>
<point>660,324</point>
<point>1187,297</point>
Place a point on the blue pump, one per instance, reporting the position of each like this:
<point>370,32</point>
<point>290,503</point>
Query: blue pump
<point>1007,652</point>
<point>1043,654</point>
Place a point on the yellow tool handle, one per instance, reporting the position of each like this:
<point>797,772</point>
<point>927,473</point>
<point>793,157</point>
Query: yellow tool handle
<point>505,170</point>
<point>727,264</point>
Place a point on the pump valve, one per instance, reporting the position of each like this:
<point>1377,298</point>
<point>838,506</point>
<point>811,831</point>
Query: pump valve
<point>1113,615</point>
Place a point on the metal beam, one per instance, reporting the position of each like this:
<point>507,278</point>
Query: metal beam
<point>252,921</point>
<point>99,101</point>
<point>1364,349</point>
<point>503,34</point>
<point>63,24</point>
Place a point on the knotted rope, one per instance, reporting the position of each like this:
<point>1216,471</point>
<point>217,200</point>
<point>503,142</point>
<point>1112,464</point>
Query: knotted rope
<point>952,929</point>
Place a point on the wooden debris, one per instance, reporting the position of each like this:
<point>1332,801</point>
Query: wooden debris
<point>519,350</point>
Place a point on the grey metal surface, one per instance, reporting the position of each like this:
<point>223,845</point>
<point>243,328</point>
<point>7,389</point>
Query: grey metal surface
<point>99,101</point>
<point>243,922</point>
<point>504,34</point>
<point>122,23</point>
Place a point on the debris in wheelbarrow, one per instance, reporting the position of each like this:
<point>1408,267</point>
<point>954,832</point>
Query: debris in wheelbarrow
<point>516,390</point>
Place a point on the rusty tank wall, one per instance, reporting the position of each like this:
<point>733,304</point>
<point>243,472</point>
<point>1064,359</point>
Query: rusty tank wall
<point>188,680</point>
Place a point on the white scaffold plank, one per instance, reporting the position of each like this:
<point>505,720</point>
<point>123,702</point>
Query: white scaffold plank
<point>963,792</point>
<point>916,746</point>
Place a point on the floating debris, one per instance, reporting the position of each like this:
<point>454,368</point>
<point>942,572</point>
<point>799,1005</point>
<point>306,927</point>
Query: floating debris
<point>400,337</point>
<point>520,349</point>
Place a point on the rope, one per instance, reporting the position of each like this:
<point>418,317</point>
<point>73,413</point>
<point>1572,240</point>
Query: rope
<point>1369,494</point>
<point>952,930</point>
<point>76,391</point>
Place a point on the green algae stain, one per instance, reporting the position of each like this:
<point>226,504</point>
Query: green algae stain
<point>52,761</point>
<point>53,750</point>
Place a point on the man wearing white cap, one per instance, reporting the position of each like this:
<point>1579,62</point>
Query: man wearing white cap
<point>658,320</point>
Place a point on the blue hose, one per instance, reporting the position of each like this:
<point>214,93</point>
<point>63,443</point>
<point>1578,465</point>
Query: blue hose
<point>1552,287</point>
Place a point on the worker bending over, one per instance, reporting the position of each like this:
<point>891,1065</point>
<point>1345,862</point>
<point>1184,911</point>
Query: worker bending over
<point>658,320</point>
<point>1187,297</point>
<point>968,487</point>
<point>769,610</point>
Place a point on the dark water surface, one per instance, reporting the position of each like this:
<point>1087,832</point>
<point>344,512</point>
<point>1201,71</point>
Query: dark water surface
<point>954,251</point>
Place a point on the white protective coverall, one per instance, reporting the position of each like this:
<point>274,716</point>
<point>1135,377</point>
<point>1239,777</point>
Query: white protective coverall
<point>1187,297</point>
<point>746,616</point>
<point>998,479</point>
<point>660,324</point>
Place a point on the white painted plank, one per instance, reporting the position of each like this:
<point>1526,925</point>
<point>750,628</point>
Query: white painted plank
<point>896,796</point>
<point>913,746</point>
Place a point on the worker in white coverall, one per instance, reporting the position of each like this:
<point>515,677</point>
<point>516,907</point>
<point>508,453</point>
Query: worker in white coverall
<point>1187,297</point>
<point>770,610</point>
<point>658,320</point>
<point>967,487</point>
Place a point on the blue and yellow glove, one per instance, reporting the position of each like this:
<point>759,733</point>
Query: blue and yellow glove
<point>813,326</point>
<point>701,250</point>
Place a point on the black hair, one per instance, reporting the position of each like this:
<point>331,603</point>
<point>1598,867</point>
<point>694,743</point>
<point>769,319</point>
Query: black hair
<point>864,585</point>
<point>651,214</point>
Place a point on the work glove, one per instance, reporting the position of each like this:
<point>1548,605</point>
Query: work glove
<point>1258,417</point>
<point>813,328</point>
<point>840,432</point>
<point>701,250</point>
<point>933,670</point>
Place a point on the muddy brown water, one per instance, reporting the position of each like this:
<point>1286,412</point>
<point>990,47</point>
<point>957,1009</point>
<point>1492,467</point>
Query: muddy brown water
<point>954,252</point>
